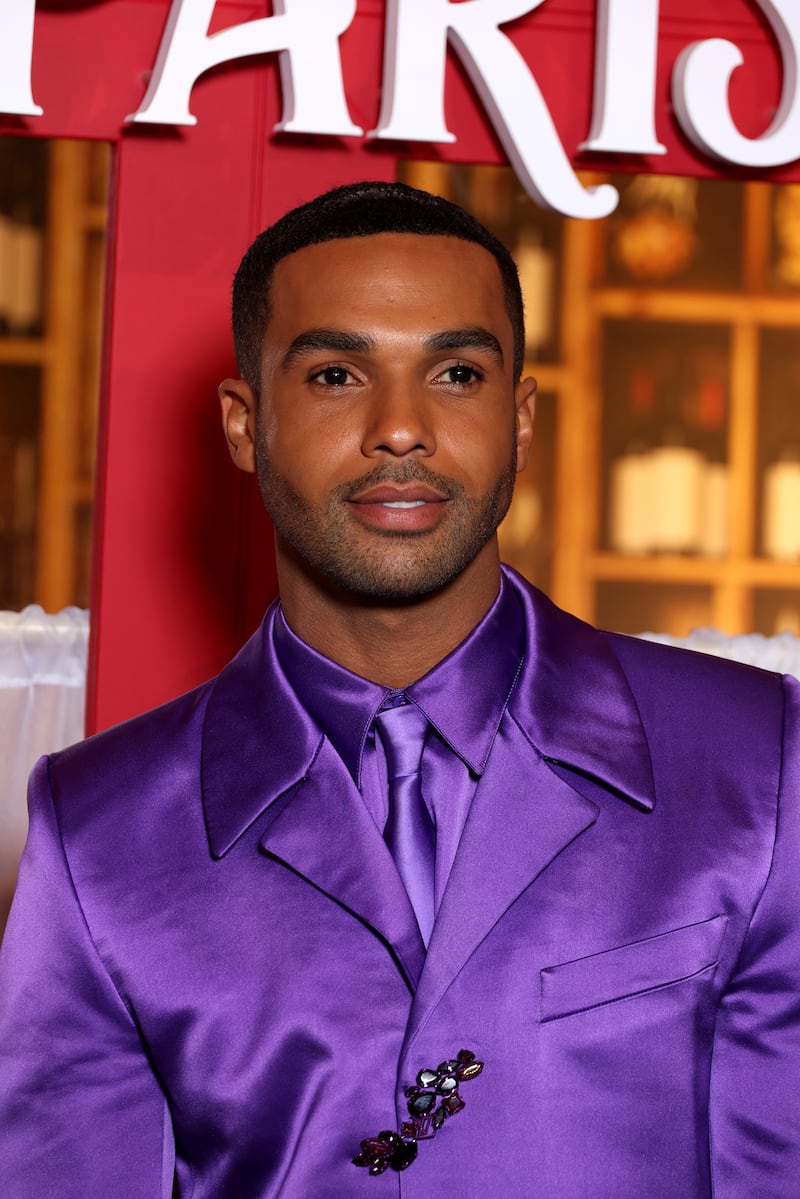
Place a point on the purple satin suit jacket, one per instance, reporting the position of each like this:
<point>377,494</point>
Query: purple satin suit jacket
<point>211,960</point>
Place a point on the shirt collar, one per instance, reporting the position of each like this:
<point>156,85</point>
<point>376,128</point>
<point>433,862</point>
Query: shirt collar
<point>464,696</point>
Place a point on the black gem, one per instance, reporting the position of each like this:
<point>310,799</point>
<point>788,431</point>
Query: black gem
<point>404,1156</point>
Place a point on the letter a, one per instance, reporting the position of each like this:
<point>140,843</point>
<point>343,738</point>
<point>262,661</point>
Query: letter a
<point>304,33</point>
<point>413,99</point>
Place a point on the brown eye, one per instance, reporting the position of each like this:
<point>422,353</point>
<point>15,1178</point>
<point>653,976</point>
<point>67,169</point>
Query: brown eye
<point>461,373</point>
<point>332,376</point>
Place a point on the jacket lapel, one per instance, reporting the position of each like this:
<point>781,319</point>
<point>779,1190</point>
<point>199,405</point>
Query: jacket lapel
<point>522,817</point>
<point>259,747</point>
<point>326,834</point>
<point>572,714</point>
<point>574,703</point>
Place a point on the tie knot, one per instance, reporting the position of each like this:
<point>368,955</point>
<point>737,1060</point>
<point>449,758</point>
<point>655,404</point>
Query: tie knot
<point>402,731</point>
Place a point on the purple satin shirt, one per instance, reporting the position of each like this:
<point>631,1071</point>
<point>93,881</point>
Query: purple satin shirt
<point>463,697</point>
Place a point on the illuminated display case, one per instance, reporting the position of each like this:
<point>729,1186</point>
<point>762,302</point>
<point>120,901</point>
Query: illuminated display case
<point>664,493</point>
<point>52,230</point>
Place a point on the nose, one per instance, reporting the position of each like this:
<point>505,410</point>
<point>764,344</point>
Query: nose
<point>398,422</point>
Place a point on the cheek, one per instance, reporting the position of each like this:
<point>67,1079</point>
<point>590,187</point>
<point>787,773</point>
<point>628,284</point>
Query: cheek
<point>482,450</point>
<point>314,457</point>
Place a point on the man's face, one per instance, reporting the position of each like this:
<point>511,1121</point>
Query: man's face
<point>389,426</point>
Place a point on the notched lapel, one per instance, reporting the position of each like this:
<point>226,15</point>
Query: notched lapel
<point>257,741</point>
<point>522,817</point>
<point>325,834</point>
<point>575,704</point>
<point>259,745</point>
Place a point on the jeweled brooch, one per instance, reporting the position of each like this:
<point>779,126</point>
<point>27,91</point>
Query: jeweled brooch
<point>432,1099</point>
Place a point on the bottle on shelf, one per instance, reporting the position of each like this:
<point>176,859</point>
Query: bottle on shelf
<point>781,513</point>
<point>678,475</point>
<point>21,239</point>
<point>669,490</point>
<point>537,275</point>
<point>715,510</point>
<point>706,410</point>
<point>24,262</point>
<point>630,476</point>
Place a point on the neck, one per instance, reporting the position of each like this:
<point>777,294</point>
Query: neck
<point>390,644</point>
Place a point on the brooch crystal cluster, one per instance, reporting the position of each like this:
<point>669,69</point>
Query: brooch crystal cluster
<point>431,1100</point>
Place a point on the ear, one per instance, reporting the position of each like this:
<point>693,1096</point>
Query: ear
<point>239,408</point>
<point>525,397</point>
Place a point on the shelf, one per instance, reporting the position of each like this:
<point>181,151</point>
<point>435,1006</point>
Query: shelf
<point>672,568</point>
<point>49,398</point>
<point>24,351</point>
<point>692,307</point>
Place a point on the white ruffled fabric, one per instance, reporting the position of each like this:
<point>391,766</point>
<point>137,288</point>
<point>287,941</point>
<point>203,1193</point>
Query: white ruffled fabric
<point>42,702</point>
<point>780,653</point>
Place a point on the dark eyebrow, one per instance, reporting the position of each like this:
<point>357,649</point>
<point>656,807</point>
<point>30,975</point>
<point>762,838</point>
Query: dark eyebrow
<point>337,341</point>
<point>343,341</point>
<point>465,339</point>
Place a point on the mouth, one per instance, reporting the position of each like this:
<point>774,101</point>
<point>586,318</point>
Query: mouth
<point>407,495</point>
<point>408,508</point>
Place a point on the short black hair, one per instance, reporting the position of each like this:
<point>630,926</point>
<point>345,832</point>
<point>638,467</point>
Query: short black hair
<point>356,210</point>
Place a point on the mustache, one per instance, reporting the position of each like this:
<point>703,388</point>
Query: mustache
<point>405,472</point>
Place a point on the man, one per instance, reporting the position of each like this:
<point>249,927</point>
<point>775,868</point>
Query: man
<point>435,890</point>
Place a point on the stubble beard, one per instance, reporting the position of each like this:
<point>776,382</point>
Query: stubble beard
<point>328,542</point>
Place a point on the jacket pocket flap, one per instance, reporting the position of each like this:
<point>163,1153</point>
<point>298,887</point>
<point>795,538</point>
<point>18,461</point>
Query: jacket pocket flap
<point>630,969</point>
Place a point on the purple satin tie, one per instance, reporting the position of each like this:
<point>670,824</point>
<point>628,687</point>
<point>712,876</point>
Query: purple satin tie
<point>409,831</point>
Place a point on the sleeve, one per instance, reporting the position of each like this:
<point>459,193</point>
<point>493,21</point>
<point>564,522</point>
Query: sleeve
<point>755,1074</point>
<point>81,1114</point>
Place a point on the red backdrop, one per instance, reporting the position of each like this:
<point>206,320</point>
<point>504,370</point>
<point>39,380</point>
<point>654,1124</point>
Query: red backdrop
<point>183,556</point>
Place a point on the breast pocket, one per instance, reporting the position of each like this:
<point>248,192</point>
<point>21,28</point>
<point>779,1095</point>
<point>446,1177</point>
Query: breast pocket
<point>630,970</point>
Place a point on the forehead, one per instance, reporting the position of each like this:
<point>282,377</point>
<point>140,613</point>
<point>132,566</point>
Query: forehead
<point>401,280</point>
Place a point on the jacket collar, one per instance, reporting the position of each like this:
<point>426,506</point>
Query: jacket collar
<point>572,701</point>
<point>257,741</point>
<point>463,696</point>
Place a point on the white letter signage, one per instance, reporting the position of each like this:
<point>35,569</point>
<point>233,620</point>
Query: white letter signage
<point>623,115</point>
<point>413,93</point>
<point>304,32</point>
<point>700,95</point>
<point>16,52</point>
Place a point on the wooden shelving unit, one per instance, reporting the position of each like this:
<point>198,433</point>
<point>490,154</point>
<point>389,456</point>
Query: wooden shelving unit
<point>733,581</point>
<point>48,529</point>
<point>600,314</point>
